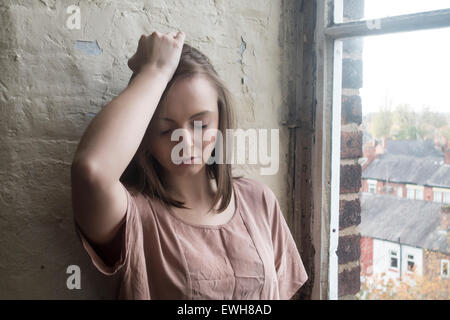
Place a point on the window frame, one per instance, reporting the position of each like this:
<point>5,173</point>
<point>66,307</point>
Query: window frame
<point>419,194</point>
<point>373,183</point>
<point>445,261</point>
<point>440,196</point>
<point>400,192</point>
<point>393,254</point>
<point>408,260</point>
<point>410,191</point>
<point>329,35</point>
<point>446,197</point>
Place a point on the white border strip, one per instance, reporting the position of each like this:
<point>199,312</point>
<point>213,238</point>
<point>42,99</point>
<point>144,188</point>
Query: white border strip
<point>335,170</point>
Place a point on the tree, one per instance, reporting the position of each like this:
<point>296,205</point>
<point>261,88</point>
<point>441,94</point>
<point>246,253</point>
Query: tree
<point>412,287</point>
<point>403,123</point>
<point>381,123</point>
<point>430,123</point>
<point>406,124</point>
<point>445,132</point>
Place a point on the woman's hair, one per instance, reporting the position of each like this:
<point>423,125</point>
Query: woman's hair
<point>143,171</point>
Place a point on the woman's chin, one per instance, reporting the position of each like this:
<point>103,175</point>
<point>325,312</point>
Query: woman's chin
<point>187,169</point>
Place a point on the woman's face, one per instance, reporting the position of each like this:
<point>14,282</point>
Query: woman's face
<point>188,100</point>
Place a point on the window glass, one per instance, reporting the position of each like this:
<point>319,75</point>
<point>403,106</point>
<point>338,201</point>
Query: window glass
<point>401,81</point>
<point>437,196</point>
<point>394,260</point>
<point>410,262</point>
<point>446,197</point>
<point>410,193</point>
<point>419,194</point>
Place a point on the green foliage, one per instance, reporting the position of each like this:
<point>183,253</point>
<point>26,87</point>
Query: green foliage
<point>403,123</point>
<point>381,123</point>
<point>445,132</point>
<point>406,123</point>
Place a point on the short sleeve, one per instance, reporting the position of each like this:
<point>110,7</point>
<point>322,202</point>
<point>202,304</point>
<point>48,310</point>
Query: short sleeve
<point>129,228</point>
<point>290,270</point>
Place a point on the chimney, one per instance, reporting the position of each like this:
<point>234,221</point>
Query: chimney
<point>369,154</point>
<point>445,217</point>
<point>381,147</point>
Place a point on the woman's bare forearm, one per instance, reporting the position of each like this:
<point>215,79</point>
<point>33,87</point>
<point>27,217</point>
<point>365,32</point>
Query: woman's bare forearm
<point>113,136</point>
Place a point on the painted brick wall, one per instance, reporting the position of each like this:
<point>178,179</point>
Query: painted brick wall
<point>55,79</point>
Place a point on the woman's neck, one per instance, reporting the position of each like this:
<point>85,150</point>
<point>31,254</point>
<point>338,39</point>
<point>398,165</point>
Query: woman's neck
<point>192,190</point>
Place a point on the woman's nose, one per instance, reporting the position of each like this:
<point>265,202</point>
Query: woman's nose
<point>187,136</point>
<point>190,141</point>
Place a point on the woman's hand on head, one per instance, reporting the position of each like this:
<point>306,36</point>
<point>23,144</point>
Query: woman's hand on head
<point>160,51</point>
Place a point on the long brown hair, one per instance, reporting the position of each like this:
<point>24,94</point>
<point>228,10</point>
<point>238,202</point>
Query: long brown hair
<point>143,171</point>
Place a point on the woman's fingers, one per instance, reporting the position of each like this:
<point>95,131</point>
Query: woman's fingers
<point>180,35</point>
<point>161,49</point>
<point>172,34</point>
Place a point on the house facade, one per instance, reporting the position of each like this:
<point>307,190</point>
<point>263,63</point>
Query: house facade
<point>392,259</point>
<point>402,238</point>
<point>415,169</point>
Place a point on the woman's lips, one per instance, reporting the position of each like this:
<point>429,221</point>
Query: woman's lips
<point>189,161</point>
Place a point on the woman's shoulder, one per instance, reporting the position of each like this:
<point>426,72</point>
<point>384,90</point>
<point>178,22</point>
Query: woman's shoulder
<point>258,198</point>
<point>251,187</point>
<point>139,198</point>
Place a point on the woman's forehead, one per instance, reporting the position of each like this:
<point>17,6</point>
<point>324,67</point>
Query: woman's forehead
<point>188,97</point>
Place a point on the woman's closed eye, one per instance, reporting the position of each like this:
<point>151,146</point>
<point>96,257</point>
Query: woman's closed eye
<point>169,130</point>
<point>166,132</point>
<point>203,126</point>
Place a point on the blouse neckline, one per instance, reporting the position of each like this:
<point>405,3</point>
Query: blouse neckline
<point>206,226</point>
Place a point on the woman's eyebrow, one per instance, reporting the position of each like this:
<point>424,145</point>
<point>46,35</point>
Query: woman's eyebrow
<point>191,117</point>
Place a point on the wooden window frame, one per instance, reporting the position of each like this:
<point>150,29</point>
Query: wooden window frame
<point>325,154</point>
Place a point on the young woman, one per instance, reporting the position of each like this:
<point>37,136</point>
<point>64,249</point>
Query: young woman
<point>177,231</point>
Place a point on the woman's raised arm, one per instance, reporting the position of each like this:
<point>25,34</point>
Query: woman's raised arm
<point>112,138</point>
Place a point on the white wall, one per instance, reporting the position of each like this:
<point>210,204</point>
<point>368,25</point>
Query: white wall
<point>382,259</point>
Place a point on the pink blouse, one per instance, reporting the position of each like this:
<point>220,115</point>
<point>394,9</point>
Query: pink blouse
<point>252,256</point>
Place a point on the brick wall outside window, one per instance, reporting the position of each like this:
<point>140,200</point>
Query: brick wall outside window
<point>349,249</point>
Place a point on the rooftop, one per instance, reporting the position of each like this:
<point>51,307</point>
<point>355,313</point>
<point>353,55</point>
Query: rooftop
<point>416,162</point>
<point>415,222</point>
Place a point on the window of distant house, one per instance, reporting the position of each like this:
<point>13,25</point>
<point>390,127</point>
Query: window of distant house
<point>400,192</point>
<point>372,186</point>
<point>410,262</point>
<point>446,197</point>
<point>410,193</point>
<point>437,196</point>
<point>419,194</point>
<point>394,259</point>
<point>444,268</point>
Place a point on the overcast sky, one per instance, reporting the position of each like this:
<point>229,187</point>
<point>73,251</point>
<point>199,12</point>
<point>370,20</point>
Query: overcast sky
<point>411,67</point>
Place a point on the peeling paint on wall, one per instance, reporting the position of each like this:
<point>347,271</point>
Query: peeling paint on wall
<point>242,49</point>
<point>89,47</point>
